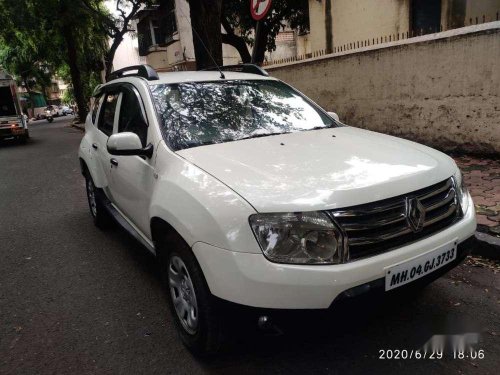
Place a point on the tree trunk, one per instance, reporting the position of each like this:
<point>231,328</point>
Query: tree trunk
<point>236,41</point>
<point>110,55</point>
<point>239,43</point>
<point>206,22</point>
<point>75,72</point>
<point>44,92</point>
<point>260,44</point>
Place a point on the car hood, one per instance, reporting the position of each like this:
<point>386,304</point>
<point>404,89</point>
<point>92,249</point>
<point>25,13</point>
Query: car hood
<point>321,169</point>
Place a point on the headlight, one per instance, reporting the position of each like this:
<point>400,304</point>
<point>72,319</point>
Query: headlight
<point>300,238</point>
<point>462,192</point>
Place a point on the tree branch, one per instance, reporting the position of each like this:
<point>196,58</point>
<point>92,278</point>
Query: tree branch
<point>225,23</point>
<point>106,20</point>
<point>239,43</point>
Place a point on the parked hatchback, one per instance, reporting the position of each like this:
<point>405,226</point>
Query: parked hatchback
<point>247,191</point>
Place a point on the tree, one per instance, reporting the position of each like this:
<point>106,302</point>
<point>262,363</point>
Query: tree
<point>240,26</point>
<point>83,42</point>
<point>24,54</point>
<point>116,25</point>
<point>207,40</point>
<point>18,60</point>
<point>62,32</point>
<point>207,16</point>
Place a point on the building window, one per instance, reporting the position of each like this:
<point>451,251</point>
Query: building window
<point>168,20</point>
<point>157,36</point>
<point>425,16</point>
<point>156,26</point>
<point>144,37</point>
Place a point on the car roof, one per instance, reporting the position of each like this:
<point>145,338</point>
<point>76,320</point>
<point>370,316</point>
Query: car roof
<point>186,76</point>
<point>200,76</point>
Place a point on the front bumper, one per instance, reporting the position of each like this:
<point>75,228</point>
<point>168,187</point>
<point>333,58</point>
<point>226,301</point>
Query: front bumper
<point>250,279</point>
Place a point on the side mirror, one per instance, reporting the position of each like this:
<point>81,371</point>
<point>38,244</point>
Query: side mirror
<point>128,143</point>
<point>334,115</point>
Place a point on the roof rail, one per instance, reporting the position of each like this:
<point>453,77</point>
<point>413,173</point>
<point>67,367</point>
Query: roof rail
<point>242,68</point>
<point>144,71</point>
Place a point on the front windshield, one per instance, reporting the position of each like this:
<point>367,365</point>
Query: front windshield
<point>200,113</point>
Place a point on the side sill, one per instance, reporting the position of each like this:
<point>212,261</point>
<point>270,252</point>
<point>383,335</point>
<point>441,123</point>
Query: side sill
<point>123,222</point>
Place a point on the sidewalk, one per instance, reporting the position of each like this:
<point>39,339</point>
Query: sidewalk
<point>482,177</point>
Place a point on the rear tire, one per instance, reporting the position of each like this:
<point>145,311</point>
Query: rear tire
<point>193,307</point>
<point>100,215</point>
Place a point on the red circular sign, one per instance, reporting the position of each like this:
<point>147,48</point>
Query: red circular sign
<point>259,8</point>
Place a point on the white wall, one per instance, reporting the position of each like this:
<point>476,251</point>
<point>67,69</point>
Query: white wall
<point>440,89</point>
<point>128,53</point>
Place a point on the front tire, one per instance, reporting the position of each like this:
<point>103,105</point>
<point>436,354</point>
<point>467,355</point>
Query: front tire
<point>100,215</point>
<point>193,307</point>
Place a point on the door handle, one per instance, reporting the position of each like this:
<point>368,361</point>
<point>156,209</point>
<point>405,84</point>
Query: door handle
<point>94,146</point>
<point>114,162</point>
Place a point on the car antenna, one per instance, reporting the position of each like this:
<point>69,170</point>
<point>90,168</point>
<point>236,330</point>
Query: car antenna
<point>222,76</point>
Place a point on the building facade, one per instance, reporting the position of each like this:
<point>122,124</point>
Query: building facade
<point>165,38</point>
<point>337,23</point>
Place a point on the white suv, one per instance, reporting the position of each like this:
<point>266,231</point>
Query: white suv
<point>249,192</point>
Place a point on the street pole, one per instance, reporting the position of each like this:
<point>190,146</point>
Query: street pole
<point>257,37</point>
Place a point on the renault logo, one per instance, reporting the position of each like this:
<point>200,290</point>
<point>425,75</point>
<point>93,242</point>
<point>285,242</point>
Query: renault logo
<point>415,214</point>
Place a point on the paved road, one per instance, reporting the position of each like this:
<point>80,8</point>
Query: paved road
<point>77,300</point>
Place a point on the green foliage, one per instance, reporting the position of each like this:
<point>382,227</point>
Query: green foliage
<point>68,96</point>
<point>293,13</point>
<point>36,38</point>
<point>22,59</point>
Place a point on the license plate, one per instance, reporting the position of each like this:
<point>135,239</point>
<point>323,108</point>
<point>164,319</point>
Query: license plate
<point>416,268</point>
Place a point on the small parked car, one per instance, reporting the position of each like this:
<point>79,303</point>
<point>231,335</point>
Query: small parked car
<point>65,110</point>
<point>249,192</point>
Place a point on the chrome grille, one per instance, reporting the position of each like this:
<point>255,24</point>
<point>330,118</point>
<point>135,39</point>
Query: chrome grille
<point>377,227</point>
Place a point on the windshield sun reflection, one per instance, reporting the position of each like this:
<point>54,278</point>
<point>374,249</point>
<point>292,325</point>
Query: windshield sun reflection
<point>201,113</point>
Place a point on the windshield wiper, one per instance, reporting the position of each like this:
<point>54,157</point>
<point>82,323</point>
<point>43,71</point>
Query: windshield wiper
<point>191,144</point>
<point>260,135</point>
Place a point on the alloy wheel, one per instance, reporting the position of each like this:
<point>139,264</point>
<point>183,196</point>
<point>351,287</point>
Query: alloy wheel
<point>91,197</point>
<point>183,294</point>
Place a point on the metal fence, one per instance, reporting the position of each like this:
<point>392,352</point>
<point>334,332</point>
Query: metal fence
<point>373,41</point>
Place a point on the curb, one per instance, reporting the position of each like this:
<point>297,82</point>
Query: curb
<point>487,246</point>
<point>78,126</point>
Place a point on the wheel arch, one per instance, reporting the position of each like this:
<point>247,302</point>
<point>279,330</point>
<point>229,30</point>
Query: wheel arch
<point>166,237</point>
<point>164,234</point>
<point>83,166</point>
